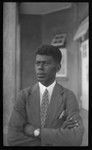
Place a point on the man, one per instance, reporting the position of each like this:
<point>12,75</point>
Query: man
<point>48,113</point>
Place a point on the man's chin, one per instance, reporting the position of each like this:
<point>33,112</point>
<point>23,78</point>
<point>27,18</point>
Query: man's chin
<point>42,80</point>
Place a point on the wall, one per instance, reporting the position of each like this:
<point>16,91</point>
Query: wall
<point>36,30</point>
<point>64,21</point>
<point>83,10</point>
<point>30,40</point>
<point>67,21</point>
<point>82,13</point>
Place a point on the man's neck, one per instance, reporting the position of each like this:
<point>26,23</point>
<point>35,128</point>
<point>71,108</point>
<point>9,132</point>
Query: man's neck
<point>48,84</point>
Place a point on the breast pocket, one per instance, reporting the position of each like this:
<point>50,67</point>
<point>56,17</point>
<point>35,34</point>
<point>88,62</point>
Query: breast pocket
<point>59,117</point>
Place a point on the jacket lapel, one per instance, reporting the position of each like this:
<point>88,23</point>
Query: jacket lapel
<point>54,106</point>
<point>56,101</point>
<point>34,107</point>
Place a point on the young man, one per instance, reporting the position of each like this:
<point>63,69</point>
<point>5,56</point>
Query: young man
<point>46,114</point>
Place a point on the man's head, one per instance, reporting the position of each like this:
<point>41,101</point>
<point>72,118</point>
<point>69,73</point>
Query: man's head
<point>48,60</point>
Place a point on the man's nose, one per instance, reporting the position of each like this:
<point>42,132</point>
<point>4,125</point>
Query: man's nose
<point>41,66</point>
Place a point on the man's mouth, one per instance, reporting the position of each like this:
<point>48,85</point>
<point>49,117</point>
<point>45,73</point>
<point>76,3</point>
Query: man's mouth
<point>40,75</point>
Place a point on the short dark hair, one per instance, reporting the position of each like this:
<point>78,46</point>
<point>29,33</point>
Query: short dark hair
<point>50,50</point>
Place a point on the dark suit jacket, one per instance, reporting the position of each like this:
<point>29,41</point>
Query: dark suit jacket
<point>56,131</point>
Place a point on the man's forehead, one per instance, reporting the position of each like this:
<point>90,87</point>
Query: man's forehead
<point>44,57</point>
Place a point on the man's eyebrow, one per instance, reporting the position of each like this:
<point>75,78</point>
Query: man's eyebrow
<point>41,61</point>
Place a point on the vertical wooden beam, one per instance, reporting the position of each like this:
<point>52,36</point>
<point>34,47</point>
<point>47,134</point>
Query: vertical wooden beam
<point>17,55</point>
<point>11,59</point>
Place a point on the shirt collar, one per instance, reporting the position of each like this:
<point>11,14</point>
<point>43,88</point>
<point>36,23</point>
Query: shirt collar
<point>49,88</point>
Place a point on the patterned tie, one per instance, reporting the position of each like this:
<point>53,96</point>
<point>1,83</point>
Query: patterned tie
<point>44,106</point>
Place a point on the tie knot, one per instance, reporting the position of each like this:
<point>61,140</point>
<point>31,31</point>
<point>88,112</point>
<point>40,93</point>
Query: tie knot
<point>45,93</point>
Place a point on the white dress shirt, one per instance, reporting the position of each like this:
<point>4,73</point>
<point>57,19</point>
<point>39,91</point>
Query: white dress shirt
<point>49,88</point>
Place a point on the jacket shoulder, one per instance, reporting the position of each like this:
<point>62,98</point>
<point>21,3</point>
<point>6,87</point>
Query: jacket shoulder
<point>24,93</point>
<point>64,90</point>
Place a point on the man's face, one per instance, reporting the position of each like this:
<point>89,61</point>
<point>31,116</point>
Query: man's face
<point>46,68</point>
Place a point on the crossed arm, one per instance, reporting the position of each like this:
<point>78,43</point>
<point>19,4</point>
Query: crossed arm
<point>16,129</point>
<point>69,134</point>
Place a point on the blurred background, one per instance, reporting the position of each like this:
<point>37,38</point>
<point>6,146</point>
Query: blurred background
<point>26,26</point>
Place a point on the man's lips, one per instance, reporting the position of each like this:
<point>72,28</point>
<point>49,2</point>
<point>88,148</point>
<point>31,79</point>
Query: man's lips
<point>40,74</point>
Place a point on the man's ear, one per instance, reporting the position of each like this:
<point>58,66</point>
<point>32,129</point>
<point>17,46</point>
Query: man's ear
<point>58,67</point>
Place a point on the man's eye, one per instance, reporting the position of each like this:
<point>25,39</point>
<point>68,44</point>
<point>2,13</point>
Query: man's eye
<point>37,63</point>
<point>46,63</point>
<point>43,63</point>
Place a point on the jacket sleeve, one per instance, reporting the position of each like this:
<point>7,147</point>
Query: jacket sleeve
<point>64,135</point>
<point>16,135</point>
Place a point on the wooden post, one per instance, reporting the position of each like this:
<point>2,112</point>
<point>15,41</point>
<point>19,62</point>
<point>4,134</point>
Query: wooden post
<point>11,59</point>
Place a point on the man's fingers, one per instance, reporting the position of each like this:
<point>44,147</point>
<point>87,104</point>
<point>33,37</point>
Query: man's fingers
<point>70,124</point>
<point>73,125</point>
<point>29,129</point>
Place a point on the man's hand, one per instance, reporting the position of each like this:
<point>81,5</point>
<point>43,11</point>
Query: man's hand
<point>70,123</point>
<point>29,130</point>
